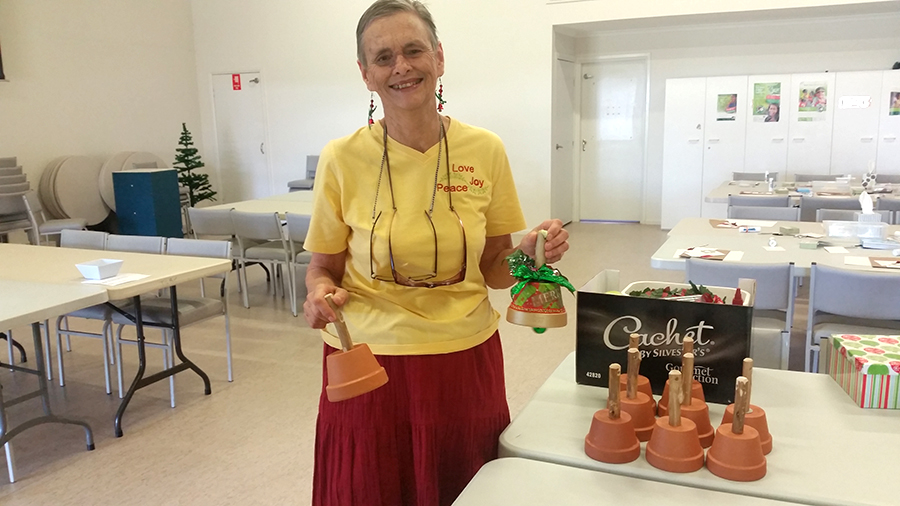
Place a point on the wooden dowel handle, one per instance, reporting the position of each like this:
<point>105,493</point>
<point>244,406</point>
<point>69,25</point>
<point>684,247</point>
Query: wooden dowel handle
<point>748,373</point>
<point>340,325</point>
<point>675,398</point>
<point>540,258</point>
<point>612,401</point>
<point>687,384</point>
<point>687,346</point>
<point>633,341</point>
<point>740,405</point>
<point>634,369</point>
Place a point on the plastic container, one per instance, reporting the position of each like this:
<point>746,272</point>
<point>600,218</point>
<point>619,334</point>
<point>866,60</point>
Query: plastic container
<point>860,229</point>
<point>831,188</point>
<point>100,269</point>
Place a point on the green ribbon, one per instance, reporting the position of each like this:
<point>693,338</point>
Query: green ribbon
<point>527,274</point>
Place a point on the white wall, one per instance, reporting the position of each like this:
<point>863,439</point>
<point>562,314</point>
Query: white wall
<point>499,60</point>
<point>94,77</point>
<point>846,43</point>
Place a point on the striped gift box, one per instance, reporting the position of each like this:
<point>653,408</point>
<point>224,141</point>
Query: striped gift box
<point>867,367</point>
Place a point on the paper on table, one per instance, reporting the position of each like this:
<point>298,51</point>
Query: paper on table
<point>811,235</point>
<point>116,280</point>
<point>755,223</point>
<point>835,249</point>
<point>859,261</point>
<point>773,248</point>
<point>733,256</point>
<point>701,252</point>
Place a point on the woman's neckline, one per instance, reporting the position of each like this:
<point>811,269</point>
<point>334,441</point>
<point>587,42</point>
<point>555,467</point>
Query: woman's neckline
<point>420,146</point>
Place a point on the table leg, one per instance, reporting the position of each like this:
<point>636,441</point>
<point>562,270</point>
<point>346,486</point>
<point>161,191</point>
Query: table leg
<point>139,380</point>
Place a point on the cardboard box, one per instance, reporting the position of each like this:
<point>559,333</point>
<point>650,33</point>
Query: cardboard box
<point>867,367</point>
<point>721,334</point>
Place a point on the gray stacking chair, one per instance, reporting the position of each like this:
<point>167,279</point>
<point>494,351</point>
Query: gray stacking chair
<point>845,301</point>
<point>847,215</point>
<point>297,228</point>
<point>810,204</point>
<point>13,215</point>
<point>215,224</point>
<point>15,188</point>
<point>764,213</point>
<point>157,311</point>
<point>888,178</point>
<point>260,239</point>
<point>312,161</point>
<point>805,178</point>
<point>773,308</point>
<point>889,204</point>
<point>753,176</point>
<point>10,171</point>
<point>41,226</point>
<point>13,179</point>
<point>760,200</point>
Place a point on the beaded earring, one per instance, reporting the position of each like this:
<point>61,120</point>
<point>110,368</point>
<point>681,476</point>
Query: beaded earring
<point>372,108</point>
<point>440,95</point>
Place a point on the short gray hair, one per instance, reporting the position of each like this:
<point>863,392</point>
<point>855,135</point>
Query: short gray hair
<point>383,8</point>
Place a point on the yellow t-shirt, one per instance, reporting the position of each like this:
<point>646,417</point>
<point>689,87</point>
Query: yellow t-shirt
<point>401,320</point>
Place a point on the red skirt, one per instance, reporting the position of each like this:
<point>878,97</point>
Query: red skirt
<point>417,440</point>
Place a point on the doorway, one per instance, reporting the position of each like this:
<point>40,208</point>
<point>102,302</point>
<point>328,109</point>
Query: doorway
<point>613,133</point>
<point>244,172</point>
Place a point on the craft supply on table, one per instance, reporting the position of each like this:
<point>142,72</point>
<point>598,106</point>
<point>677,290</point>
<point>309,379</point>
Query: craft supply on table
<point>536,298</point>
<point>675,444</point>
<point>639,405</point>
<point>736,453</point>
<point>612,438</point>
<point>867,367</point>
<point>755,416</point>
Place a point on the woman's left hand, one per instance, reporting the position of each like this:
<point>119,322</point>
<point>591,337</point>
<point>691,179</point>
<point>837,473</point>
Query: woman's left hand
<point>555,246</point>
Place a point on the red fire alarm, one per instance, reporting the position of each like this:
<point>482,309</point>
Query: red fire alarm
<point>236,82</point>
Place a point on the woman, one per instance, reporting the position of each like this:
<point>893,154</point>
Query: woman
<point>411,225</point>
<point>773,113</point>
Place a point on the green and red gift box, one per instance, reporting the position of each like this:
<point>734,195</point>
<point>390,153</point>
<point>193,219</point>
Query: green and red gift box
<point>867,367</point>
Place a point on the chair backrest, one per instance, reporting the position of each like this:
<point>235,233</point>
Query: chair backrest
<point>774,282</point>
<point>15,188</point>
<point>297,226</point>
<point>83,239</point>
<point>136,243</point>
<point>199,248</point>
<point>847,215</point>
<point>887,178</point>
<point>892,204</point>
<point>10,171</point>
<point>805,178</point>
<point>854,293</point>
<point>257,226</point>
<point>12,179</point>
<point>760,200</point>
<point>12,203</point>
<point>809,205</point>
<point>752,176</point>
<point>211,222</point>
<point>312,161</point>
<point>764,213</point>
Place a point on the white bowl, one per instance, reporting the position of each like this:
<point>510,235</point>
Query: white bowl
<point>100,269</point>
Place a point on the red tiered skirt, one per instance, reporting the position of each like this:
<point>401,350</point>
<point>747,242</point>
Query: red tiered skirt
<point>419,439</point>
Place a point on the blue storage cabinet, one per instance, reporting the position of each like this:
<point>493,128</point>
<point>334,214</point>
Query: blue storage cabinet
<point>147,202</point>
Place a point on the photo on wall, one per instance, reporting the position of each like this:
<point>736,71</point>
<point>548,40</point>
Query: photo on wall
<point>726,107</point>
<point>813,101</point>
<point>894,109</point>
<point>766,102</point>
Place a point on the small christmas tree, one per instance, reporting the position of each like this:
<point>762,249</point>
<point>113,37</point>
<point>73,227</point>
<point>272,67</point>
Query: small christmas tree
<point>186,160</point>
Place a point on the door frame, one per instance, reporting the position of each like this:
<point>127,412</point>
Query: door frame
<point>574,119</point>
<point>580,62</point>
<point>270,177</point>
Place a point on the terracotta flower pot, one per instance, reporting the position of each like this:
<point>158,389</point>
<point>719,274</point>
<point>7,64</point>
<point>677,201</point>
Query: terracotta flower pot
<point>696,393</point>
<point>756,419</point>
<point>612,440</point>
<point>353,373</point>
<point>675,449</point>
<point>736,457</point>
<point>642,415</point>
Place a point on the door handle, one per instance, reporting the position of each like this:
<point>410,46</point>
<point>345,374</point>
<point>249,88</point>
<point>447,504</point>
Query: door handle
<point>583,145</point>
<point>262,147</point>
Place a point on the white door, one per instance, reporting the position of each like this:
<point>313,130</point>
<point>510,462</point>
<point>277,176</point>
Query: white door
<point>613,122</point>
<point>683,150</point>
<point>726,127</point>
<point>241,137</point>
<point>854,138</point>
<point>768,117</point>
<point>562,169</point>
<point>811,99</point>
<point>889,129</point>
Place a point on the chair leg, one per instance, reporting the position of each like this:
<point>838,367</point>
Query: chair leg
<point>118,340</point>
<point>169,362</point>
<point>785,349</point>
<point>9,348</point>
<point>228,347</point>
<point>59,351</point>
<point>10,466</point>
<point>292,268</point>
<point>242,273</point>
<point>47,359</point>
<point>107,330</point>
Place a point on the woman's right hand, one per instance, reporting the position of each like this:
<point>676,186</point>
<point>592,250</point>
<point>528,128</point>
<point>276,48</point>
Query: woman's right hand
<point>316,309</point>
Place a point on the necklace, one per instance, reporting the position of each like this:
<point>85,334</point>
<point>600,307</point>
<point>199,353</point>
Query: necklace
<point>386,163</point>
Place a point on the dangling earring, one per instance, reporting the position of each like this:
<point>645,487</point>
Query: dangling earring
<point>440,95</point>
<point>372,108</point>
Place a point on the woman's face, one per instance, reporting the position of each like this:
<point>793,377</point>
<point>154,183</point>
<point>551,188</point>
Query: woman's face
<point>773,110</point>
<point>401,65</point>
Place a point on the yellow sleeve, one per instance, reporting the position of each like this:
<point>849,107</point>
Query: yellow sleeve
<point>327,231</point>
<point>504,214</point>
